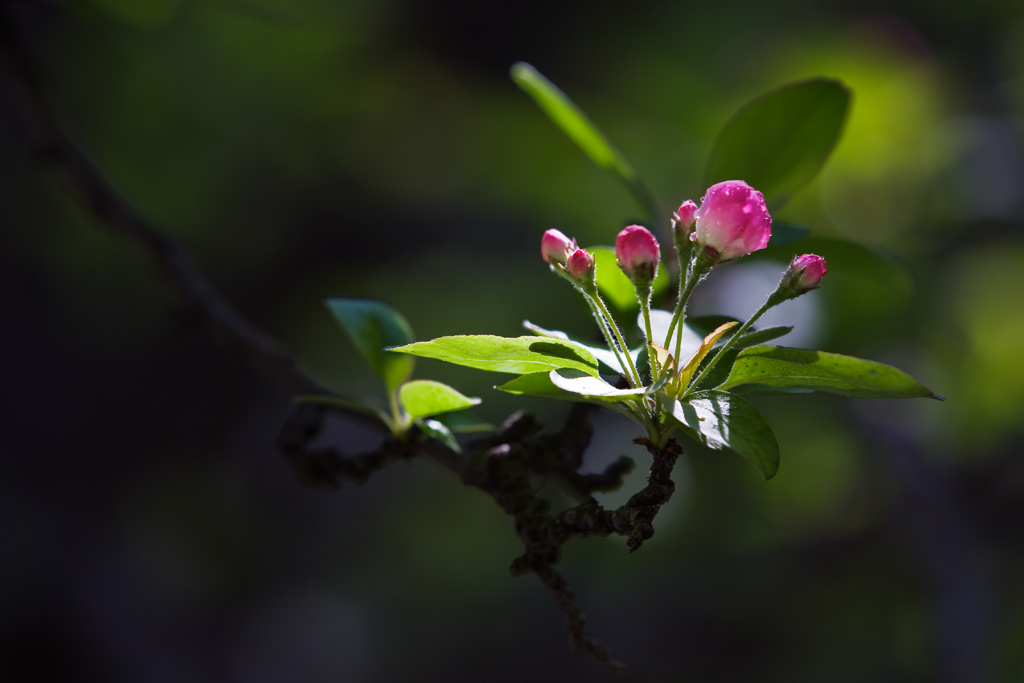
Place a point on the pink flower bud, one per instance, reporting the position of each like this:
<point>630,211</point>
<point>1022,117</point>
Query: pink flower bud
<point>805,272</point>
<point>638,253</point>
<point>732,221</point>
<point>580,266</point>
<point>555,247</point>
<point>686,216</point>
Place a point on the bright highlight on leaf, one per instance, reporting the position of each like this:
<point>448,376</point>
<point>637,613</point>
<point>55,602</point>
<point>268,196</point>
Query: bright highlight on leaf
<point>425,398</point>
<point>583,384</point>
<point>686,372</point>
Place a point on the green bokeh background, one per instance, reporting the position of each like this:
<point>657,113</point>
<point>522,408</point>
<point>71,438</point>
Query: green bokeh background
<point>305,148</point>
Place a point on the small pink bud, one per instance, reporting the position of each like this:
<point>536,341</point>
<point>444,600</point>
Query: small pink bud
<point>555,247</point>
<point>805,272</point>
<point>580,266</point>
<point>638,253</point>
<point>732,221</point>
<point>684,219</point>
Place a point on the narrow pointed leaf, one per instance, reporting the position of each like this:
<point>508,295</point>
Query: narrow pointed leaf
<point>778,142</point>
<point>720,420</point>
<point>761,336</point>
<point>464,422</point>
<point>770,369</point>
<point>613,283</point>
<point>660,320</point>
<point>373,326</point>
<point>686,372</point>
<point>425,397</point>
<point>515,355</point>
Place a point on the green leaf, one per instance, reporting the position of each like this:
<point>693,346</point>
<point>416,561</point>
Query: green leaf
<point>770,369</point>
<point>614,284</point>
<point>564,113</point>
<point>580,383</point>
<point>721,420</point>
<point>602,354</point>
<point>515,355</point>
<point>778,142</point>
<point>374,326</point>
<point>425,397</point>
<point>540,384</point>
<point>438,430</point>
<point>756,337</point>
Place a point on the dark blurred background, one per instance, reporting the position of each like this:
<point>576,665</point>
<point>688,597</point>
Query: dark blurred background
<point>149,530</point>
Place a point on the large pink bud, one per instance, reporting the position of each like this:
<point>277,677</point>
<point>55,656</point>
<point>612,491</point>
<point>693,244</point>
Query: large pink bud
<point>581,266</point>
<point>685,217</point>
<point>555,247</point>
<point>638,253</point>
<point>732,221</point>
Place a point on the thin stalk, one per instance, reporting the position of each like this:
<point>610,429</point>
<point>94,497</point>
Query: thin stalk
<point>645,308</point>
<point>596,298</point>
<point>771,301</point>
<point>685,289</point>
<point>603,324</point>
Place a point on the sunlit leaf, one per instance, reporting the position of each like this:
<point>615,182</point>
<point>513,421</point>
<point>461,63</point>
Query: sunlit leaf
<point>425,397</point>
<point>583,384</point>
<point>686,372</point>
<point>770,369</point>
<point>660,320</point>
<point>721,420</point>
<point>778,142</point>
<point>603,354</point>
<point>374,326</point>
<point>516,355</point>
<point>614,284</point>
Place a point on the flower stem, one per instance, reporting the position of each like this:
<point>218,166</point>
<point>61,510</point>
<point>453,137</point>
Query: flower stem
<point>596,298</point>
<point>771,301</point>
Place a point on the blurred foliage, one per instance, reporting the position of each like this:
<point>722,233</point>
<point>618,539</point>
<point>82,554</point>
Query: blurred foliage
<point>309,148</point>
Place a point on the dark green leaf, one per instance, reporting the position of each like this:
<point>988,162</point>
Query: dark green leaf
<point>721,420</point>
<point>373,326</point>
<point>778,142</point>
<point>773,368</point>
<point>761,336</point>
<point>424,397</point>
<point>438,430</point>
<point>516,355</point>
<point>614,284</point>
<point>564,113</point>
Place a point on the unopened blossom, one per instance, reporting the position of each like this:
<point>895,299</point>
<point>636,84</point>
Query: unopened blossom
<point>638,253</point>
<point>804,273</point>
<point>732,221</point>
<point>684,219</point>
<point>555,247</point>
<point>580,266</point>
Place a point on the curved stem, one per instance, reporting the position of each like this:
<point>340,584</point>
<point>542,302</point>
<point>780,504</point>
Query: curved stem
<point>618,336</point>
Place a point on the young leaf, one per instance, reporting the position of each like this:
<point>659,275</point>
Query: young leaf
<point>583,384</point>
<point>721,420</point>
<point>778,142</point>
<point>614,284</point>
<point>515,355</point>
<point>373,326</point>
<point>564,113</point>
<point>438,430</point>
<point>424,398</point>
<point>755,337</point>
<point>660,320</point>
<point>770,369</point>
<point>686,372</point>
